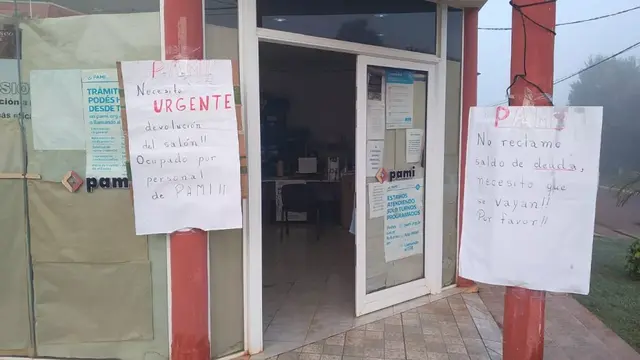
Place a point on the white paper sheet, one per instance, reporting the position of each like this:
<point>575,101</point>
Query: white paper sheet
<point>375,120</point>
<point>413,146</point>
<point>57,111</point>
<point>529,205</point>
<point>375,154</point>
<point>377,200</point>
<point>106,156</point>
<point>399,99</point>
<point>183,145</point>
<point>403,223</point>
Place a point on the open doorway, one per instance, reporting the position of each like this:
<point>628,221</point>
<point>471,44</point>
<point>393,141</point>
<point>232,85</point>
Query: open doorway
<point>308,125</point>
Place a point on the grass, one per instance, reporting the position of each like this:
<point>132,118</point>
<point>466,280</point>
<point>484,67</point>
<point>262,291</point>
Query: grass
<point>614,296</point>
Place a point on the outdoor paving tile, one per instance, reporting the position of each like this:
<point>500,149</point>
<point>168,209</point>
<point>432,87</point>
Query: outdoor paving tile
<point>375,326</point>
<point>458,357</point>
<point>374,343</point>
<point>453,340</point>
<point>374,352</point>
<point>357,351</point>
<point>336,340</point>
<point>393,345</point>
<point>306,356</point>
<point>493,346</point>
<point>479,357</point>
<point>315,348</point>
<point>351,341</point>
<point>456,349</point>
<point>330,357</point>
<point>394,354</point>
<point>436,347</point>
<point>437,356</point>
<point>393,335</point>
<point>288,356</point>
<point>475,347</point>
<point>332,349</point>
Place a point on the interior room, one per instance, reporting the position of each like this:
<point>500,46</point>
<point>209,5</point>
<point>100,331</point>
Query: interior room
<point>308,118</point>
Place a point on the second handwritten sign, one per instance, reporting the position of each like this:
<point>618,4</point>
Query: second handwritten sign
<point>183,145</point>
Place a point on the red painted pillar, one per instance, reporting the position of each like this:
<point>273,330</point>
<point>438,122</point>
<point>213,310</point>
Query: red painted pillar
<point>184,39</point>
<point>469,99</point>
<point>532,46</point>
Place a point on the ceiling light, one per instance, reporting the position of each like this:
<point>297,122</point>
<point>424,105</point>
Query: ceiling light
<point>279,19</point>
<point>380,15</point>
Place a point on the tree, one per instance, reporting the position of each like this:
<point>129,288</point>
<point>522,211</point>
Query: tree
<point>615,85</point>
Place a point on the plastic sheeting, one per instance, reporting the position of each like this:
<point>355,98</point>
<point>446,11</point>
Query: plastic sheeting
<point>96,293</point>
<point>14,285</point>
<point>82,227</point>
<point>78,302</point>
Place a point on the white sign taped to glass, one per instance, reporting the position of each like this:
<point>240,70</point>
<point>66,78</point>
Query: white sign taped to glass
<point>530,192</point>
<point>183,145</point>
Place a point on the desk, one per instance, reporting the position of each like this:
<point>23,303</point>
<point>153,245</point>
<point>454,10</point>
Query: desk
<point>329,193</point>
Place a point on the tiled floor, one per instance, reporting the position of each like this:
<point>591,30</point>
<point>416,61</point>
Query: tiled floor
<point>309,285</point>
<point>571,331</point>
<point>454,328</point>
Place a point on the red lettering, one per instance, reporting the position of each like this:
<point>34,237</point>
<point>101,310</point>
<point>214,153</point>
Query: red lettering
<point>157,105</point>
<point>156,67</point>
<point>180,106</point>
<point>167,103</point>
<point>502,112</point>
<point>227,101</point>
<point>204,103</point>
<point>192,104</point>
<point>217,98</point>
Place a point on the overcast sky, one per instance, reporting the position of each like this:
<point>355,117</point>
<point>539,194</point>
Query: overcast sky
<point>574,43</point>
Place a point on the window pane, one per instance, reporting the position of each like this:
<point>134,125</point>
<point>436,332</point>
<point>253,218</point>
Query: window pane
<point>225,247</point>
<point>454,34</point>
<point>407,25</point>
<point>395,239</point>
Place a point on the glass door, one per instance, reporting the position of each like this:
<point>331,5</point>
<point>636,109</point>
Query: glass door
<point>394,103</point>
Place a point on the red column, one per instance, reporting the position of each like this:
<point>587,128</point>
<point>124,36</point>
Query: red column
<point>469,99</point>
<point>184,39</point>
<point>532,45</point>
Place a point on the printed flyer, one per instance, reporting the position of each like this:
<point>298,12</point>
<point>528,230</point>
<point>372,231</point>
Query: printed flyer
<point>404,220</point>
<point>106,155</point>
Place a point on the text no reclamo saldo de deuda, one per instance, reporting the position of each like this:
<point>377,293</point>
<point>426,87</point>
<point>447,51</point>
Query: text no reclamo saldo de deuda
<point>514,204</point>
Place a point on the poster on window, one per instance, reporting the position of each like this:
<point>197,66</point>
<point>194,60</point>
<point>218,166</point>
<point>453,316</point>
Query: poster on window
<point>106,156</point>
<point>183,145</point>
<point>404,219</point>
<point>530,194</point>
<point>399,99</point>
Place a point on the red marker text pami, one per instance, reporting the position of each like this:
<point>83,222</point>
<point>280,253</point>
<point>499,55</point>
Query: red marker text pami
<point>502,113</point>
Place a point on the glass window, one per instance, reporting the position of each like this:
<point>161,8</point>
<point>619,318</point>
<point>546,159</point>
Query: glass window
<point>452,146</point>
<point>454,34</point>
<point>395,242</point>
<point>406,25</point>
<point>225,247</point>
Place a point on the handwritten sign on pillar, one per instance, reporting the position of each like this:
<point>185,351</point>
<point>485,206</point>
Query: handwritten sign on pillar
<point>530,194</point>
<point>183,145</point>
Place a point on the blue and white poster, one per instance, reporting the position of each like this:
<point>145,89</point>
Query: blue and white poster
<point>106,155</point>
<point>399,99</point>
<point>404,220</point>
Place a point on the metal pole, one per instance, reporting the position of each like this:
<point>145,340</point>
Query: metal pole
<point>532,47</point>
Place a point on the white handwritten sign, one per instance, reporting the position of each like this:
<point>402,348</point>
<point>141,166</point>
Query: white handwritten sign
<point>183,145</point>
<point>530,191</point>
